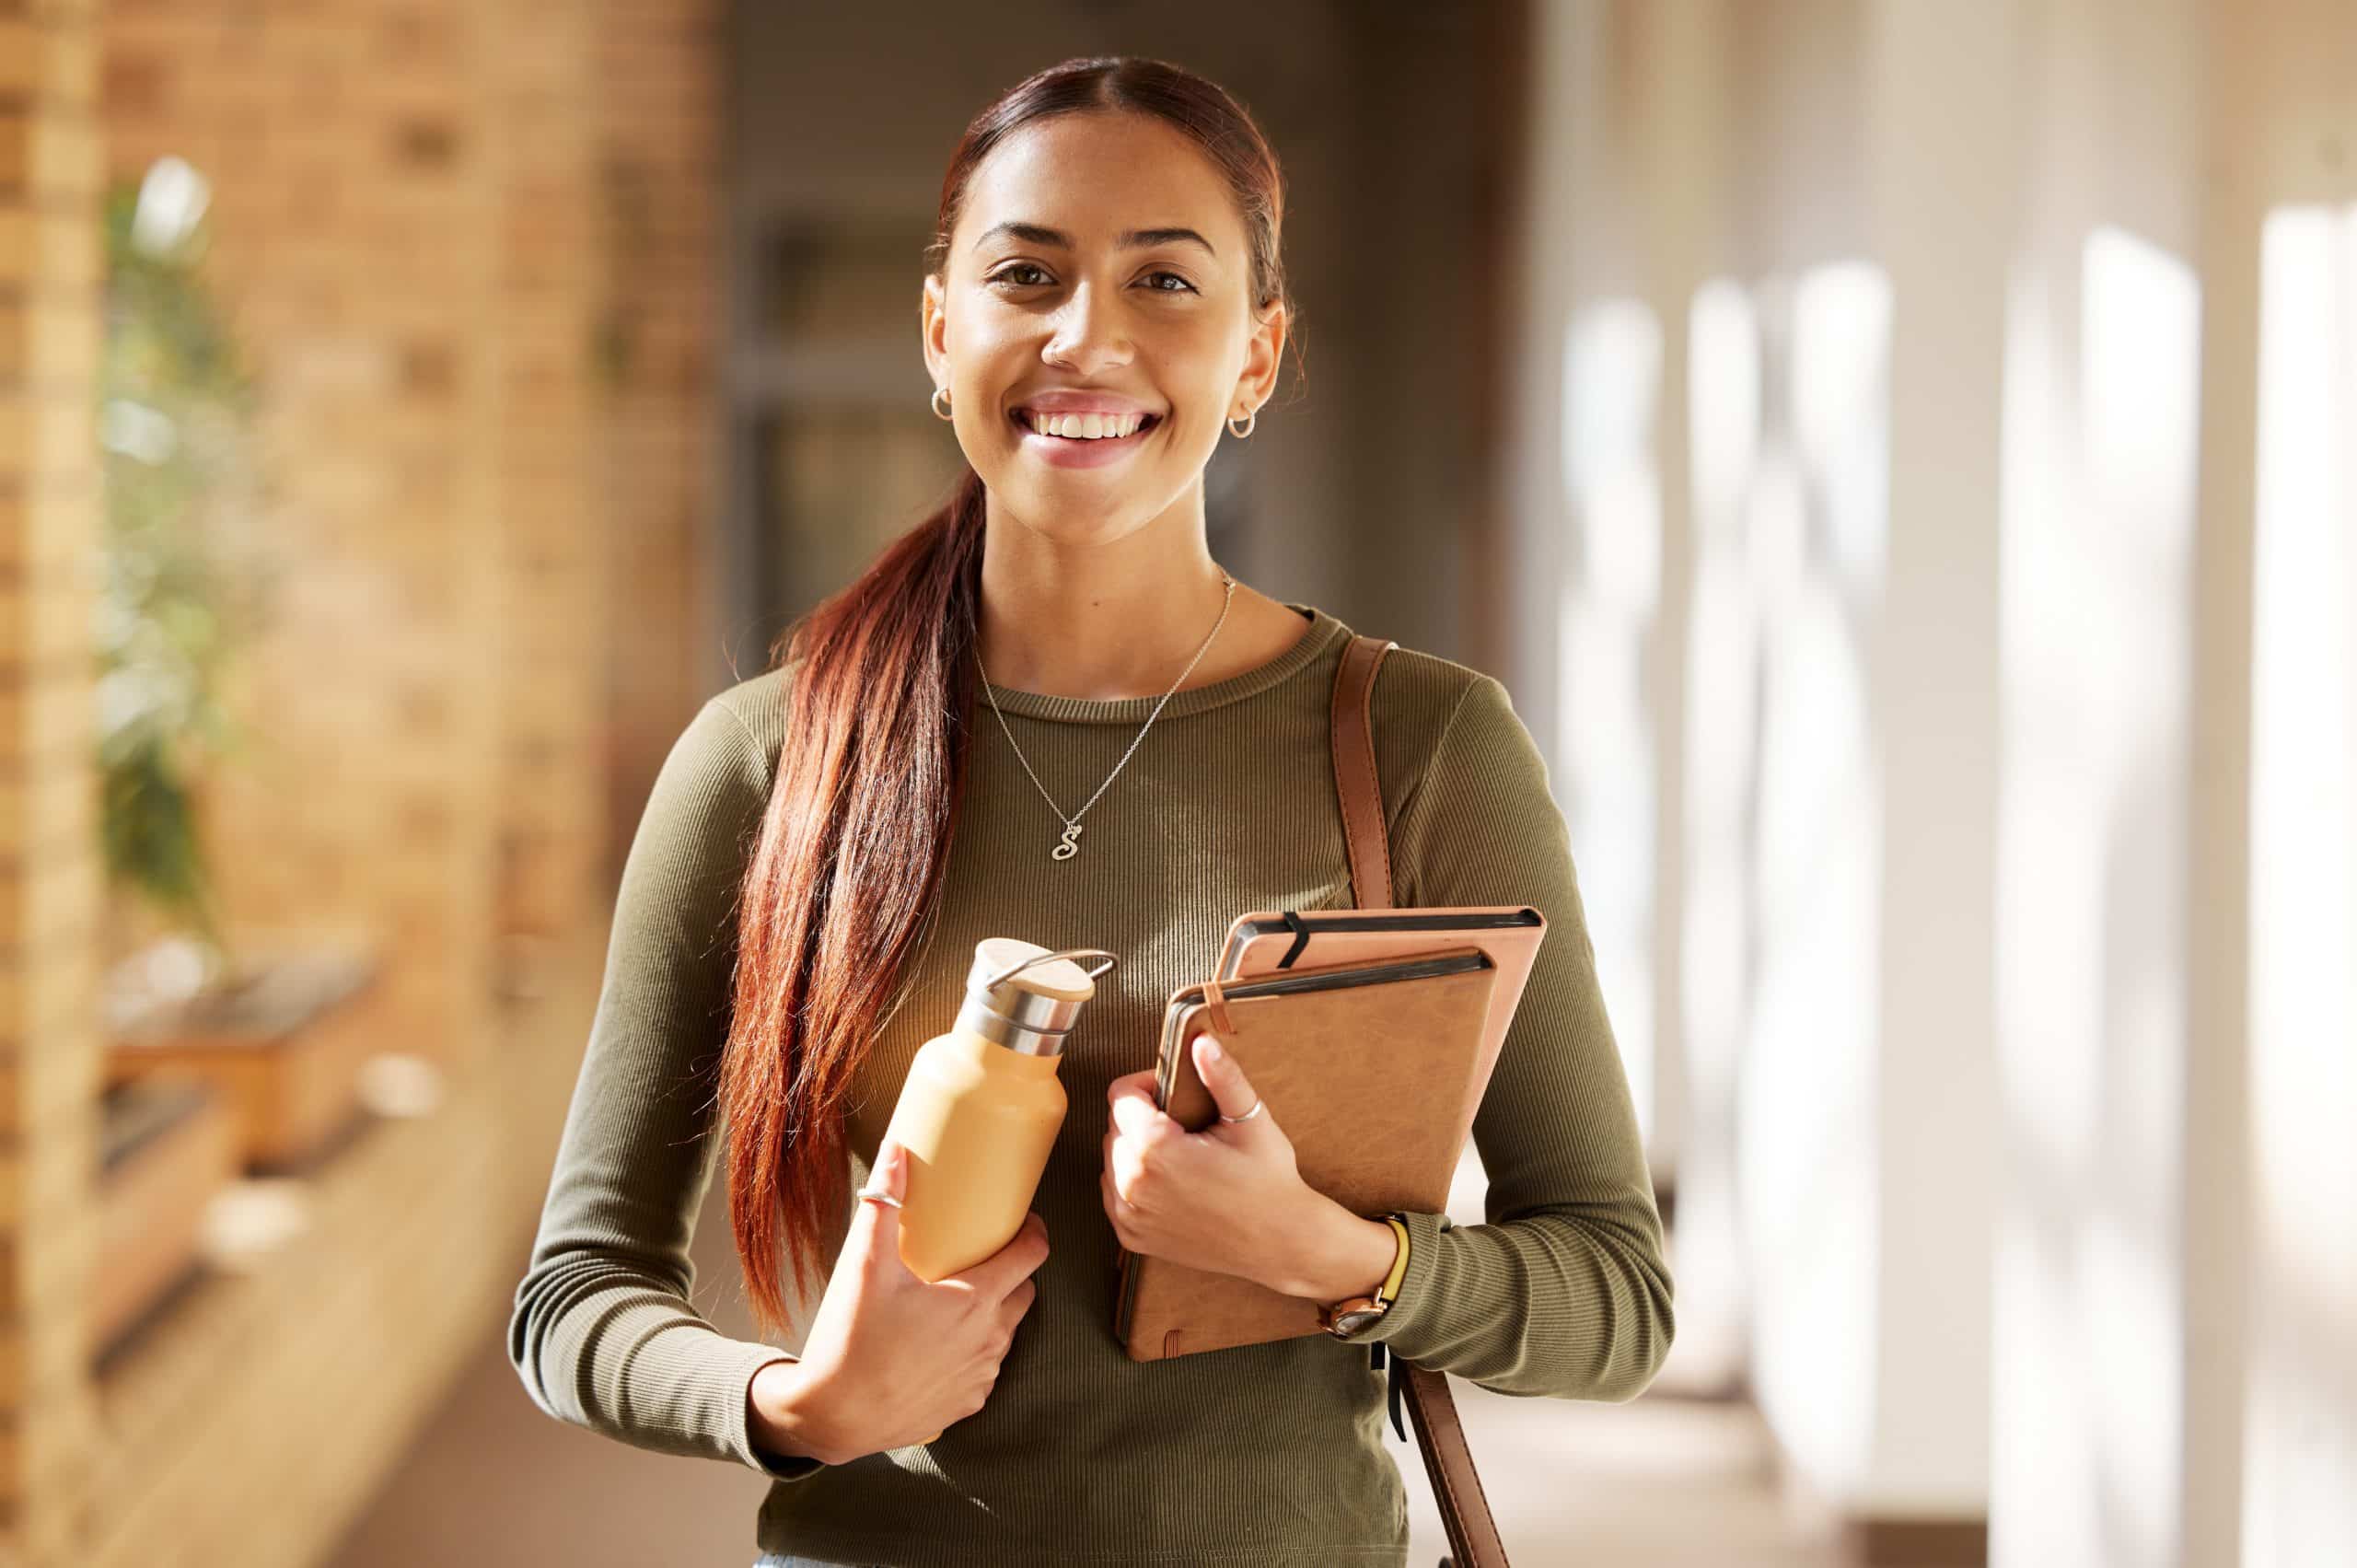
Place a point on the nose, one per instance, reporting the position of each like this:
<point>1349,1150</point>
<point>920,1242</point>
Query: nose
<point>1088,337</point>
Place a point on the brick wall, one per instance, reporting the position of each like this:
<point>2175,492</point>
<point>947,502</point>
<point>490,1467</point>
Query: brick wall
<point>355,248</point>
<point>556,518</point>
<point>468,248</point>
<point>657,76</point>
<point>48,275</point>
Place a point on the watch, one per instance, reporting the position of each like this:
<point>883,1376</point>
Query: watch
<point>1345,1317</point>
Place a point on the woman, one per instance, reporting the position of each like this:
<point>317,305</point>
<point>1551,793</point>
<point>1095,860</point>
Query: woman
<point>829,840</point>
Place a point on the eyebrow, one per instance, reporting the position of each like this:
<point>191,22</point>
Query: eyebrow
<point>1129,239</point>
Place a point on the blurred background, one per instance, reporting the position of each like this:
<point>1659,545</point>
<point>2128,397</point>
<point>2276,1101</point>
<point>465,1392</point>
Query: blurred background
<point>1901,454</point>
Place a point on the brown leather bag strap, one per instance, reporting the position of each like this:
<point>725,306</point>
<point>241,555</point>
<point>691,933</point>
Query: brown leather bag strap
<point>1464,1510</point>
<point>1448,1460</point>
<point>1354,738</point>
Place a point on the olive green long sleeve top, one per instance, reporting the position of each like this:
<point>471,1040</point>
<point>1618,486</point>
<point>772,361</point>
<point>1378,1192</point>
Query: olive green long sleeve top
<point>1269,1454</point>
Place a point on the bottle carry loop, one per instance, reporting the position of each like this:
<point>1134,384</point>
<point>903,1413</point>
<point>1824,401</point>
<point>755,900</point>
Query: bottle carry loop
<point>1013,970</point>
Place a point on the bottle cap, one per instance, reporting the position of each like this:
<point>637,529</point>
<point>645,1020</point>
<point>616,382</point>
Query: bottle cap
<point>1028,997</point>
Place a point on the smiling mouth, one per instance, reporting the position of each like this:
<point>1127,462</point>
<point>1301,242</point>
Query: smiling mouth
<point>1022,422</point>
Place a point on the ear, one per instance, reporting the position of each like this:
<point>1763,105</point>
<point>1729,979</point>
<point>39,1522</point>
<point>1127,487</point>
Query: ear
<point>1263,358</point>
<point>935,329</point>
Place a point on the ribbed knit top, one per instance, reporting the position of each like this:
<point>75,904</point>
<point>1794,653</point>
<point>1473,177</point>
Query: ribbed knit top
<point>1269,1454</point>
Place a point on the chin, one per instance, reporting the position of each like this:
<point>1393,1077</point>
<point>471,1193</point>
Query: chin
<point>1070,515</point>
<point>1079,527</point>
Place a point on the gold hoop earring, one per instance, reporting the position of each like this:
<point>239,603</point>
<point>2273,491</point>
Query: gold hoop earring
<point>1249,421</point>
<point>939,411</point>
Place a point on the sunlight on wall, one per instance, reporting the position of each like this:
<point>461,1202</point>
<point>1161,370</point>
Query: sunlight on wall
<point>2300,1504</point>
<point>1722,730</point>
<point>1610,598</point>
<point>2100,433</point>
<point>1791,392</point>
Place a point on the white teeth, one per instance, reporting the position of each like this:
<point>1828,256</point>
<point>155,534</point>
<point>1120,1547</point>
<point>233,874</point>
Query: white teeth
<point>1084,427</point>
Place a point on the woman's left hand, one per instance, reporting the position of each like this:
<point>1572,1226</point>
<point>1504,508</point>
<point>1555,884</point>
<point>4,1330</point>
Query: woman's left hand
<point>1228,1199</point>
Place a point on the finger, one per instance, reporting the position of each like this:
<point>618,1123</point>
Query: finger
<point>1120,1160</point>
<point>1136,1115</point>
<point>1115,1209</point>
<point>1144,1078</point>
<point>888,1175</point>
<point>1014,1262</point>
<point>1229,1087</point>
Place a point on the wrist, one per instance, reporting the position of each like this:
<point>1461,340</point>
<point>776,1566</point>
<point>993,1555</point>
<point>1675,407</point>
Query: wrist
<point>1348,1255</point>
<point>784,1412</point>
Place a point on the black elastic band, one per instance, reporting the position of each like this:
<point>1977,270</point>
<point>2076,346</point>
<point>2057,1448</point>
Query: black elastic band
<point>1300,929</point>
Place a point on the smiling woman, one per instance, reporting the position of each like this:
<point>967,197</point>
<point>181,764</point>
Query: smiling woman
<point>831,840</point>
<point>1110,277</point>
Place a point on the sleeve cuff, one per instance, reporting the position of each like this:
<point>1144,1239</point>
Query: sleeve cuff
<point>1407,1323</point>
<point>749,1359</point>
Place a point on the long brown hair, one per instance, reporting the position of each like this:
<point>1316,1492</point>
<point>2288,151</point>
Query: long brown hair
<point>872,765</point>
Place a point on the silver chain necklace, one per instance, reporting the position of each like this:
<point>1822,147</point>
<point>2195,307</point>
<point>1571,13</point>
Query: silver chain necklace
<point>1069,845</point>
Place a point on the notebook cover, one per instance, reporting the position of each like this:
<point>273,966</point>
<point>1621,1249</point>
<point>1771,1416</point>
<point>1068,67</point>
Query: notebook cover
<point>1376,1085</point>
<point>1266,941</point>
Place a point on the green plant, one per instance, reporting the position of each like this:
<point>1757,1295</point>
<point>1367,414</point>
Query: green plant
<point>179,588</point>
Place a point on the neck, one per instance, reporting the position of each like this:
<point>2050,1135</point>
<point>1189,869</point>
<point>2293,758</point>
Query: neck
<point>1103,622</point>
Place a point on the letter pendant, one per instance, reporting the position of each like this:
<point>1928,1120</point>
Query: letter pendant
<point>1069,847</point>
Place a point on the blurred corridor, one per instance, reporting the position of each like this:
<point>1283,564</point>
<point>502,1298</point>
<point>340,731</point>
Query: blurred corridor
<point>1681,1482</point>
<point>1900,455</point>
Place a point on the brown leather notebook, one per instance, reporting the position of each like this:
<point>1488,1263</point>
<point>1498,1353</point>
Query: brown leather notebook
<point>1269,941</point>
<point>1375,1071</point>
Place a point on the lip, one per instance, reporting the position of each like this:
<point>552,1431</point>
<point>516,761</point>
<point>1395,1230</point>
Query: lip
<point>1058,451</point>
<point>1054,399</point>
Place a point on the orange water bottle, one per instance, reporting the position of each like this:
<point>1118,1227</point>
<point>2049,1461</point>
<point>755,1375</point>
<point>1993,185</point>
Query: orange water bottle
<point>982,1105</point>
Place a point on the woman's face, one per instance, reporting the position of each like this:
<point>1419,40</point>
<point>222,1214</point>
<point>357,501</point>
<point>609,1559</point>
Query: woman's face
<point>1098,266</point>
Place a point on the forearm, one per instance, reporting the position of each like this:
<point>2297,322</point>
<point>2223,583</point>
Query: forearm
<point>601,1346</point>
<point>1551,1304</point>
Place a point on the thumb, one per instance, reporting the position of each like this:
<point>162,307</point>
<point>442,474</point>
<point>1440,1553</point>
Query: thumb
<point>1230,1089</point>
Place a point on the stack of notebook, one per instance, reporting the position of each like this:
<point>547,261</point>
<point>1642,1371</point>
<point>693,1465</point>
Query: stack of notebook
<point>1371,1035</point>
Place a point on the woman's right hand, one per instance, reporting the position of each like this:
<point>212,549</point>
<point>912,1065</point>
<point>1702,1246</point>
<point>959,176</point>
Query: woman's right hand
<point>892,1359</point>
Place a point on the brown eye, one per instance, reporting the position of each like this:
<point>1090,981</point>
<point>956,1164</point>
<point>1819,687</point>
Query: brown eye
<point>1006,275</point>
<point>1183,284</point>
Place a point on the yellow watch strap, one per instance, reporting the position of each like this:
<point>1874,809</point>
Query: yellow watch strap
<point>1390,1290</point>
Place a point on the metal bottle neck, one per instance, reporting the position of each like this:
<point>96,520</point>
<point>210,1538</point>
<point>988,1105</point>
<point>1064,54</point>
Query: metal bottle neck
<point>1004,1011</point>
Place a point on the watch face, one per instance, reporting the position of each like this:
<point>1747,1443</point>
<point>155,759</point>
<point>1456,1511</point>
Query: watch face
<point>1352,1321</point>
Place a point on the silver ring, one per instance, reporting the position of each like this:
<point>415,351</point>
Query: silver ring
<point>1247,1115</point>
<point>879,1195</point>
